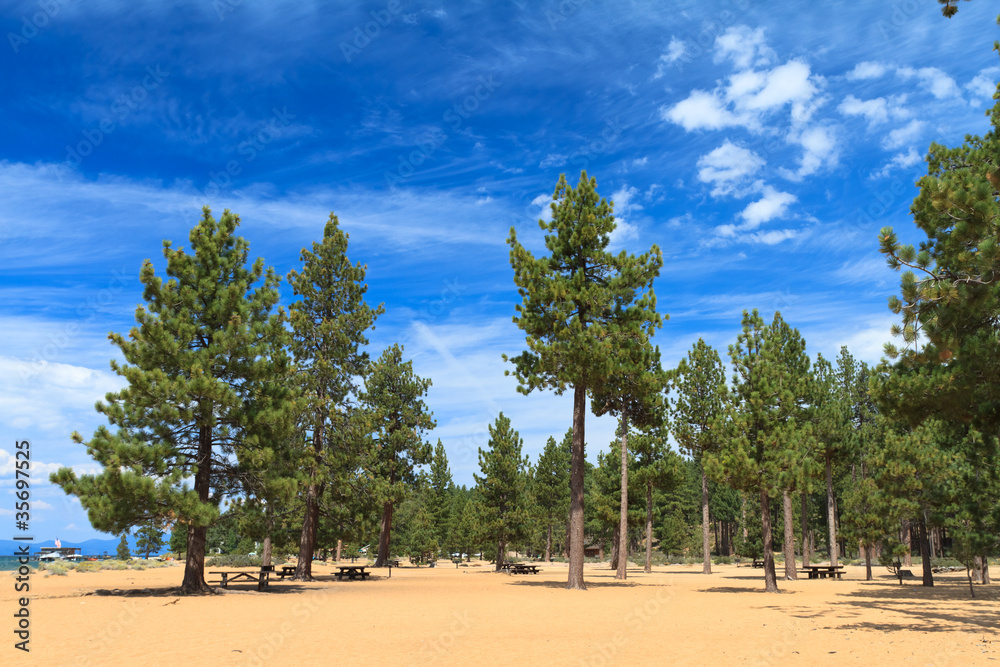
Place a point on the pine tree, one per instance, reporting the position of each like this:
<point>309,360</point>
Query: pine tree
<point>393,398</point>
<point>329,325</point>
<point>439,499</point>
<point>502,505</point>
<point>700,382</point>
<point>123,552</point>
<point>551,489</point>
<point>149,538</point>
<point>950,306</point>
<point>573,303</point>
<point>657,469</point>
<point>762,443</point>
<point>634,392</point>
<point>206,397</point>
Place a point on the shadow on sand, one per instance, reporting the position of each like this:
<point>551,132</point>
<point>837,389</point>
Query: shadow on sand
<point>944,607</point>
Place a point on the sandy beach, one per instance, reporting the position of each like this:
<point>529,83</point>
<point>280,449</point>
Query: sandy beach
<point>472,616</point>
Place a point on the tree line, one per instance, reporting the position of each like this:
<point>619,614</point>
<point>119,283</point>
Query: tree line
<point>279,415</point>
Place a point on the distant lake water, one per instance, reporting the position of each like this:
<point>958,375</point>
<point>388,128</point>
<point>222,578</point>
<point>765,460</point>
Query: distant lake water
<point>9,563</point>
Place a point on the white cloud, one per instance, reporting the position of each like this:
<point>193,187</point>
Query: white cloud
<point>743,46</point>
<point>727,167</point>
<point>899,161</point>
<point>875,111</point>
<point>675,51</point>
<point>819,149</point>
<point>625,207</point>
<point>773,237</point>
<point>552,160</point>
<point>640,162</point>
<point>772,205</point>
<point>701,110</point>
<point>983,85</point>
<point>786,83</point>
<point>867,70</point>
<point>543,201</point>
<point>934,80</point>
<point>903,135</point>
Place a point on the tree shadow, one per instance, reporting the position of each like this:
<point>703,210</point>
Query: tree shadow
<point>736,589</point>
<point>925,609</point>
<point>589,584</point>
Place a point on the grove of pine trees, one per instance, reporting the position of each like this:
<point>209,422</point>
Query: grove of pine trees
<point>243,420</point>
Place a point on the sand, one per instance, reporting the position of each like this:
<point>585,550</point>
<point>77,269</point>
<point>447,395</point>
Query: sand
<point>471,616</point>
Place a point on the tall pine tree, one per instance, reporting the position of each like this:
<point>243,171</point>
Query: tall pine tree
<point>329,325</point>
<point>502,499</point>
<point>571,300</point>
<point>700,381</point>
<point>393,396</point>
<point>206,399</point>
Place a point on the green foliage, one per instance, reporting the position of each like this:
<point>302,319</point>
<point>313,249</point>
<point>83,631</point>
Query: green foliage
<point>763,447</point>
<point>241,560</point>
<point>439,499</point>
<point>502,504</point>
<point>204,366</point>
<point>579,303</point>
<point>149,539</point>
<point>123,552</point>
<point>393,399</point>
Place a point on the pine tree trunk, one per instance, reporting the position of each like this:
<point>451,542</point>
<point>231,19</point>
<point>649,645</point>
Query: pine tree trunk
<point>548,544</point>
<point>622,570</point>
<point>576,490</point>
<point>613,562</point>
<point>706,565</point>
<point>384,536</point>
<point>501,554</point>
<point>770,579</point>
<point>986,570</point>
<point>340,547</point>
<point>307,539</point>
<point>649,528</point>
<point>266,552</point>
<point>908,541</point>
<point>868,565</point>
<point>925,552</point>
<point>789,547</point>
<point>831,511</point>
<point>194,564</point>
<point>806,555</point>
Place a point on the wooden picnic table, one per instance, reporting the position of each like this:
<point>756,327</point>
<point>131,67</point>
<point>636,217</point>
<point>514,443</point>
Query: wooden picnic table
<point>260,577</point>
<point>521,568</point>
<point>823,571</point>
<point>352,572</point>
<point>758,562</point>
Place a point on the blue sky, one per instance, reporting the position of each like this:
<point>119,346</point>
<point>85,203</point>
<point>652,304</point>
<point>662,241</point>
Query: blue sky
<point>760,145</point>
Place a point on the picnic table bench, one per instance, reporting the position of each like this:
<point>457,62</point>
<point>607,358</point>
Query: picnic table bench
<point>352,572</point>
<point>393,562</point>
<point>260,577</point>
<point>823,571</point>
<point>519,568</point>
<point>286,571</point>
